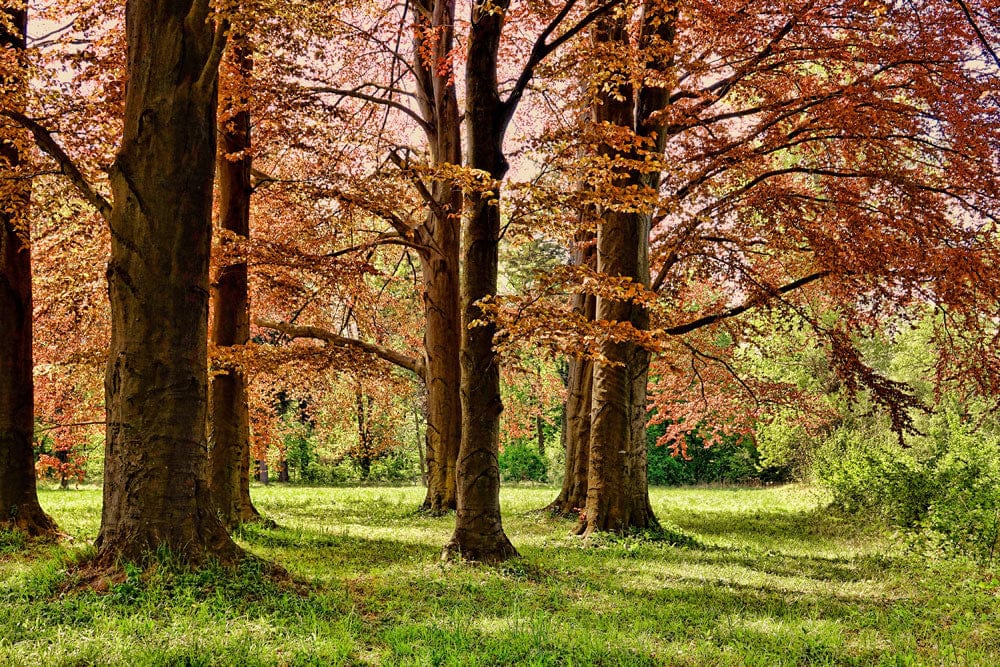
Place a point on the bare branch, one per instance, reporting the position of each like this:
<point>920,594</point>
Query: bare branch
<point>47,143</point>
<point>412,364</point>
<point>742,308</point>
<point>375,99</point>
<point>543,48</point>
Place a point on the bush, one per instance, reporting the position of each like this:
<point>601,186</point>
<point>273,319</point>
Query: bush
<point>945,488</point>
<point>396,467</point>
<point>520,462</point>
<point>735,460</point>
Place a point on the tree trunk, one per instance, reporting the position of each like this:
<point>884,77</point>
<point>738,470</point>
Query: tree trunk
<point>479,534</point>
<point>540,434</point>
<point>420,448</point>
<point>618,489</point>
<point>19,506</point>
<point>229,459</point>
<point>572,497</point>
<point>156,490</point>
<point>442,339</point>
<point>440,262</point>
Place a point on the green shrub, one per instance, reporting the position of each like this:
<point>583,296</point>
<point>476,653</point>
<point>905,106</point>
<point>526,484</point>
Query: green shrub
<point>734,460</point>
<point>945,488</point>
<point>520,462</point>
<point>396,467</point>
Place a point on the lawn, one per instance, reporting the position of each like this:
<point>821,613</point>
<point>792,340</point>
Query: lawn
<point>772,578</point>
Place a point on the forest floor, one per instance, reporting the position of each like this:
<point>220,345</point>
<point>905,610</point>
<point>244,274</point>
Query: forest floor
<point>773,579</point>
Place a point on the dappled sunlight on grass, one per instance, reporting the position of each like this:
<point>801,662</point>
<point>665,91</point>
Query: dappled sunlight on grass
<point>772,579</point>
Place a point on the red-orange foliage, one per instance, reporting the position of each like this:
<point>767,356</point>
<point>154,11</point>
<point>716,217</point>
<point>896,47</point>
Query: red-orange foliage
<point>830,164</point>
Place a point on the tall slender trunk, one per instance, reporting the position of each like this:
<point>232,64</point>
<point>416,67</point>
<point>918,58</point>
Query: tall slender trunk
<point>572,496</point>
<point>440,261</point>
<point>442,341</point>
<point>156,490</point>
<point>479,533</point>
<point>19,506</point>
<point>540,434</point>
<point>618,489</point>
<point>229,458</point>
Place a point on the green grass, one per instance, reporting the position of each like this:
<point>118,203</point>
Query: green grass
<point>773,580</point>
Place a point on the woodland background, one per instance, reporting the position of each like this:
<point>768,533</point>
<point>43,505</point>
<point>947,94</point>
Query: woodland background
<point>601,246</point>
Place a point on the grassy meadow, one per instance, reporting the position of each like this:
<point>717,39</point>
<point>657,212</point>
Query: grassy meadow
<point>771,579</point>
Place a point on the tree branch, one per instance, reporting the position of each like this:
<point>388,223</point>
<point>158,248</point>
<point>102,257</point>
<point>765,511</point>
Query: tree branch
<point>47,143</point>
<point>375,99</point>
<point>542,48</point>
<point>210,72</point>
<point>742,308</point>
<point>412,364</point>
<point>979,33</point>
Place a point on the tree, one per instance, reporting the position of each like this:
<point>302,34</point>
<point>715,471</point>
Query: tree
<point>478,528</point>
<point>572,498</point>
<point>229,413</point>
<point>156,491</point>
<point>617,488</point>
<point>866,188</point>
<point>19,506</point>
<point>434,43</point>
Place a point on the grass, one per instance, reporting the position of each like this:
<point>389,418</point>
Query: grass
<point>772,579</point>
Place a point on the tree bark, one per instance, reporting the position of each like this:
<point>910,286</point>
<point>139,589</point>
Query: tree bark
<point>156,492</point>
<point>479,534</point>
<point>440,263</point>
<point>19,507</point>
<point>229,458</point>
<point>618,489</point>
<point>572,496</point>
<point>540,434</point>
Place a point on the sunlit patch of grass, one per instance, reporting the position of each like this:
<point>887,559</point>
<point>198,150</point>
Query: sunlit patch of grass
<point>769,578</point>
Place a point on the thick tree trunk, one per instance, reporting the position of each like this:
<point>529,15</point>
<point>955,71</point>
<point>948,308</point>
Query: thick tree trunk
<point>618,490</point>
<point>156,490</point>
<point>19,506</point>
<point>479,534</point>
<point>440,262</point>
<point>442,340</point>
<point>229,459</point>
<point>572,496</point>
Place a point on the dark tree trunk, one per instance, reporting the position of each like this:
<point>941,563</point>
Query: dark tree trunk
<point>283,477</point>
<point>540,434</point>
<point>156,491</point>
<point>440,261</point>
<point>618,489</point>
<point>262,475</point>
<point>572,496</point>
<point>19,506</point>
<point>229,459</point>
<point>364,450</point>
<point>420,448</point>
<point>479,534</point>
<point>442,338</point>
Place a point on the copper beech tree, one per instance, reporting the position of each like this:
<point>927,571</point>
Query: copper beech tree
<point>788,161</point>
<point>229,409</point>
<point>19,506</point>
